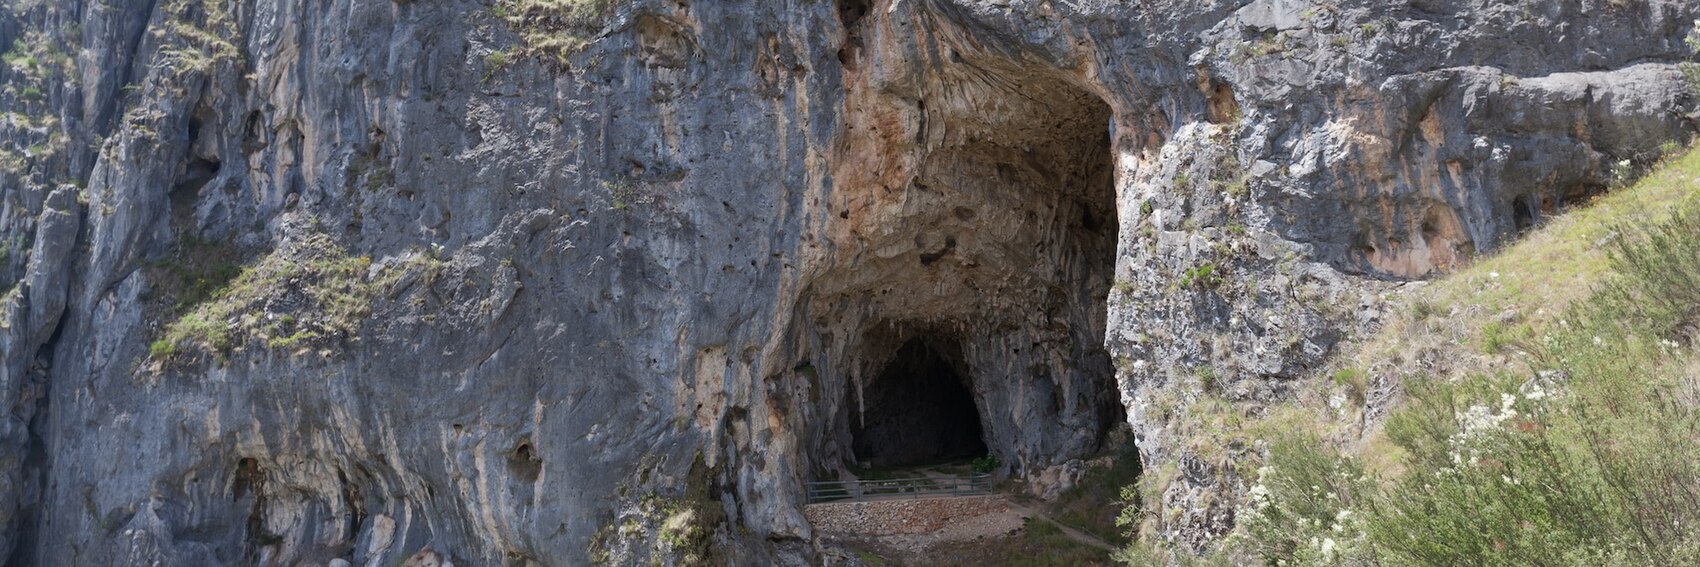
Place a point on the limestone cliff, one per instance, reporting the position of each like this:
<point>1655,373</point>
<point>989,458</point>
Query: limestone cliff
<point>560,281</point>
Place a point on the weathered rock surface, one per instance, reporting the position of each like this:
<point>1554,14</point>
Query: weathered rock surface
<point>627,265</point>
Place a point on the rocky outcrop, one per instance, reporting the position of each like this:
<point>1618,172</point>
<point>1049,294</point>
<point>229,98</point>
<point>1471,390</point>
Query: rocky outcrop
<point>553,282</point>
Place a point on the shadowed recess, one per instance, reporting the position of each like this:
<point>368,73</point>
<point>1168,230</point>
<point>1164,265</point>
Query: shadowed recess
<point>919,409</point>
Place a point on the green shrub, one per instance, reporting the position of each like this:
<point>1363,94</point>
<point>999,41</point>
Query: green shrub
<point>1301,508</point>
<point>1498,337</point>
<point>1209,381</point>
<point>1204,276</point>
<point>1421,310</point>
<point>1657,287</point>
<point>1481,479</point>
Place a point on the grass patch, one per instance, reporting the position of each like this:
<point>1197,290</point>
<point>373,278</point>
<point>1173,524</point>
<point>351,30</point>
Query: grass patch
<point>36,67</point>
<point>552,30</point>
<point>1204,276</point>
<point>199,35</point>
<point>1531,283</point>
<point>195,271</point>
<point>679,527</point>
<point>307,293</point>
<point>1354,381</point>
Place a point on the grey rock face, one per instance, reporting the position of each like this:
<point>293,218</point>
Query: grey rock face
<point>609,284</point>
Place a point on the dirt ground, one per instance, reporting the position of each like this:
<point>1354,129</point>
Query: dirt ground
<point>1014,537</point>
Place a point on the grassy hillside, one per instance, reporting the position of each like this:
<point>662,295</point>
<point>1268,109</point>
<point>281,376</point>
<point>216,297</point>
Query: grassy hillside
<point>1545,409</point>
<point>1481,319</point>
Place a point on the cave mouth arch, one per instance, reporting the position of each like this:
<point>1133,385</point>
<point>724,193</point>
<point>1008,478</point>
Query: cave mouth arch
<point>974,220</point>
<point>919,409</point>
<point>981,268</point>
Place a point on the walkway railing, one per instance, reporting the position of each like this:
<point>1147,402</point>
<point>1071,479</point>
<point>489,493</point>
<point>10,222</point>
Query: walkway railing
<point>830,490</point>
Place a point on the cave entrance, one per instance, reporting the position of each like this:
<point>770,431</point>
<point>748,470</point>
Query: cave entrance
<point>973,229</point>
<point>919,409</point>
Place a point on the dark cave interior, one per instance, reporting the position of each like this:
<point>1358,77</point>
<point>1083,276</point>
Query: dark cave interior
<point>919,409</point>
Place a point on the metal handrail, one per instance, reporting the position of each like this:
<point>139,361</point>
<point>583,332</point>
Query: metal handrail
<point>831,490</point>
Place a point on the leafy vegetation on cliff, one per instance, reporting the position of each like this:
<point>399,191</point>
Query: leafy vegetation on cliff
<point>29,130</point>
<point>1550,410</point>
<point>681,526</point>
<point>301,295</point>
<point>197,35</point>
<point>549,29</point>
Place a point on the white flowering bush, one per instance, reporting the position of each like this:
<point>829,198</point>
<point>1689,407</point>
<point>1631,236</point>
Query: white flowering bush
<point>1484,478</point>
<point>1593,462</point>
<point>1299,511</point>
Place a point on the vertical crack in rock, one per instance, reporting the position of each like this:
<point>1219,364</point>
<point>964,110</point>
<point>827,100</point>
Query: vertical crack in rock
<point>29,320</point>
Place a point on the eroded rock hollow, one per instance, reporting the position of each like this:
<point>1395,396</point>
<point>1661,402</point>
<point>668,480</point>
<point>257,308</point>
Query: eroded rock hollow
<point>920,409</point>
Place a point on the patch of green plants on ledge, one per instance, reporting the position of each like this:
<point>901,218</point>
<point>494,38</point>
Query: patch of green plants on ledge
<point>306,294</point>
<point>1204,275</point>
<point>33,66</point>
<point>197,34</point>
<point>550,29</point>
